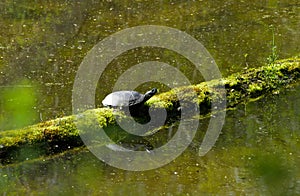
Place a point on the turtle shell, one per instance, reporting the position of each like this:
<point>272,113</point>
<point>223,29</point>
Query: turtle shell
<point>123,98</point>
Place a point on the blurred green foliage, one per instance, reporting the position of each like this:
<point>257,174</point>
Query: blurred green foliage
<point>17,105</point>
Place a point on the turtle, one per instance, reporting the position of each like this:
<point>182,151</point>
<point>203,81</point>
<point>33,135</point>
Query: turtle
<point>119,99</point>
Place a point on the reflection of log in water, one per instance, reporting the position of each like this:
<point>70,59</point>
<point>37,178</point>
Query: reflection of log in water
<point>61,134</point>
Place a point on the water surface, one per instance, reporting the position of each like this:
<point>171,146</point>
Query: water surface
<point>43,43</point>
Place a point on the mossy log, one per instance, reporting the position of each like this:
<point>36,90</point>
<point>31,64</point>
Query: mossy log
<point>240,87</point>
<point>61,134</point>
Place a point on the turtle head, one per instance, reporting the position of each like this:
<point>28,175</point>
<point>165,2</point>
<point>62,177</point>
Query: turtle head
<point>149,94</point>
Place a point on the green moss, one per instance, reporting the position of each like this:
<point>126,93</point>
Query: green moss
<point>62,132</point>
<point>255,87</point>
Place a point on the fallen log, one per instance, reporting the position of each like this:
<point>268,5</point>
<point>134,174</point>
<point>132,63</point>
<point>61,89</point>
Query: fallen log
<point>62,133</point>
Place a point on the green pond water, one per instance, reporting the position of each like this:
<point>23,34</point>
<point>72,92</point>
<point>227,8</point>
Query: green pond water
<point>43,43</point>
